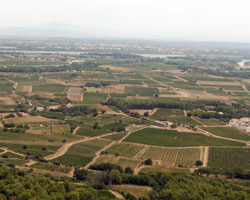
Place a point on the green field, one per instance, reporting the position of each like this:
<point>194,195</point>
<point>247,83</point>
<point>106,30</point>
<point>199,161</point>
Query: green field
<point>32,150</point>
<point>228,132</point>
<point>229,158</point>
<point>125,150</point>
<point>164,113</point>
<point>94,98</point>
<point>90,132</point>
<point>117,136</point>
<point>172,138</point>
<point>81,154</point>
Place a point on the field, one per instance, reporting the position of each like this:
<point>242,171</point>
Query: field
<point>164,113</point>
<point>51,167</point>
<point>32,150</point>
<point>228,132</point>
<point>209,122</point>
<point>172,138</point>
<point>90,132</point>
<point>229,158</point>
<point>75,94</point>
<point>137,191</point>
<point>27,120</point>
<point>141,91</point>
<point>125,150</point>
<point>81,154</point>
<point>94,98</point>
<point>43,100</point>
<point>172,157</point>
<point>115,137</point>
<point>123,162</point>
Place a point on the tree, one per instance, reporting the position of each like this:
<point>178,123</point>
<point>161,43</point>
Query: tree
<point>198,163</point>
<point>44,148</point>
<point>115,177</point>
<point>120,121</point>
<point>128,170</point>
<point>173,125</point>
<point>96,125</point>
<point>146,114</point>
<point>103,111</point>
<point>148,162</point>
<point>80,174</point>
<point>25,147</point>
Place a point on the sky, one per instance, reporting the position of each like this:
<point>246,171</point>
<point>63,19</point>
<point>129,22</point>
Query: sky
<point>198,20</point>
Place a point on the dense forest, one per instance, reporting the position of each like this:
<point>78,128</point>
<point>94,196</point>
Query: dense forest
<point>15,184</point>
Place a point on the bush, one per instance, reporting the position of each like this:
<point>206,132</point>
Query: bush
<point>148,162</point>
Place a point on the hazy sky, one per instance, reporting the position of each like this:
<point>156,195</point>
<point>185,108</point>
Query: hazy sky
<point>214,20</point>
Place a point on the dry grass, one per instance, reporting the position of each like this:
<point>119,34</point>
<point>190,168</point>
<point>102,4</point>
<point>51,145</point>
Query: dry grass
<point>24,88</point>
<point>119,89</point>
<point>115,68</point>
<point>137,191</point>
<point>26,120</point>
<point>75,94</point>
<point>7,101</point>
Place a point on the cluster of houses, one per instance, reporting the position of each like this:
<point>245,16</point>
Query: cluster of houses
<point>241,124</point>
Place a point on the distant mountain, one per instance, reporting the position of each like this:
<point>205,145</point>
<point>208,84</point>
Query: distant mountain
<point>56,29</point>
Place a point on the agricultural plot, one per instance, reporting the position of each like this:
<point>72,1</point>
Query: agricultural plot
<point>183,120</point>
<point>89,131</point>
<point>162,156</point>
<point>60,129</point>
<point>94,98</point>
<point>52,167</point>
<point>39,130</point>
<point>81,154</point>
<point>109,119</point>
<point>114,126</point>
<point>209,122</point>
<point>75,94</point>
<point>125,150</point>
<point>117,136</point>
<point>173,157</point>
<point>28,120</point>
<point>114,89</point>
<point>136,191</point>
<point>45,139</point>
<point>228,132</point>
<point>123,162</point>
<point>31,150</point>
<point>49,88</point>
<point>164,113</point>
<point>7,101</point>
<point>141,91</point>
<point>229,158</point>
<point>11,158</point>
<point>24,88</point>
<point>187,157</point>
<point>172,138</point>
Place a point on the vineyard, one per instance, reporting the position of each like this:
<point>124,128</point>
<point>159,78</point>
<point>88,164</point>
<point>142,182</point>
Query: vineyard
<point>171,157</point>
<point>123,162</point>
<point>229,158</point>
